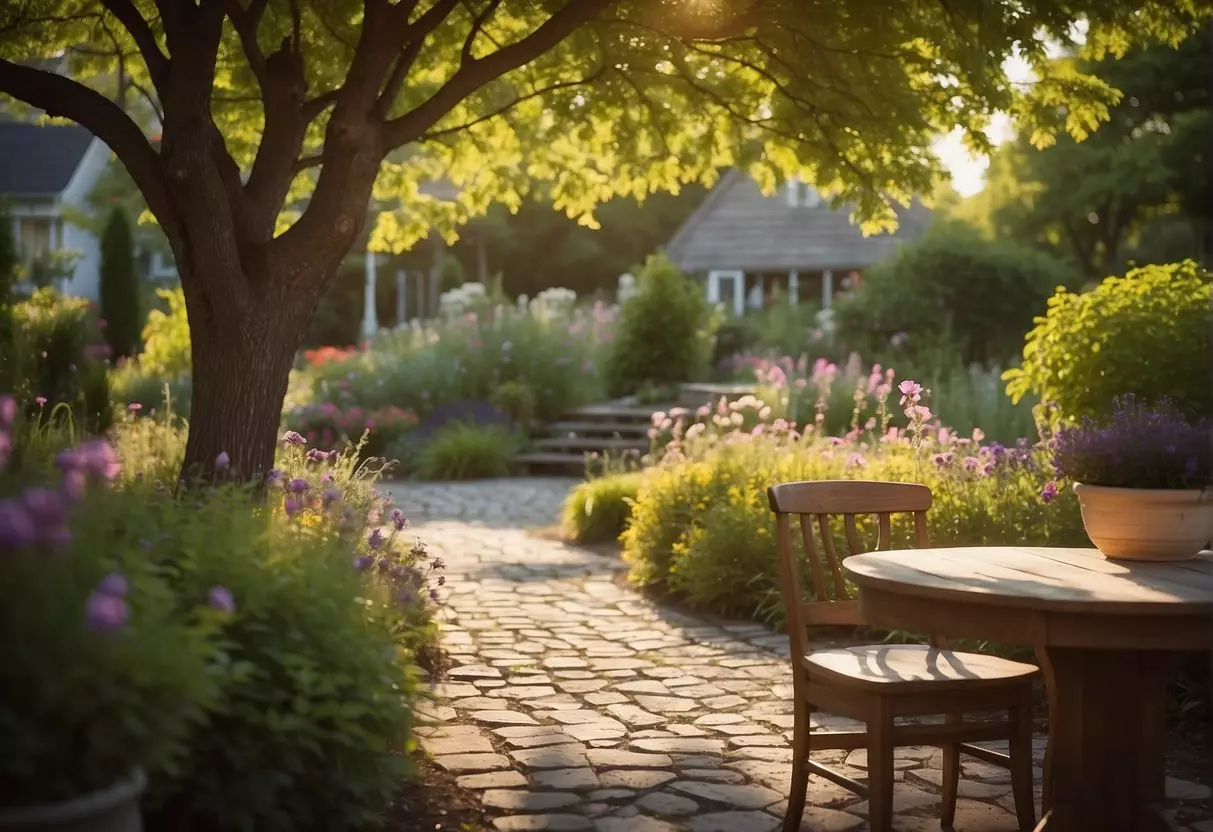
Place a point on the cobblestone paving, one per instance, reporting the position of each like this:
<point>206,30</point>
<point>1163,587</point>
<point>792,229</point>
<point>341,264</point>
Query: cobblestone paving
<point>575,704</point>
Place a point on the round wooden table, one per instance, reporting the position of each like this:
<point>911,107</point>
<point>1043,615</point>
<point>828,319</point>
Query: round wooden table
<point>1106,633</point>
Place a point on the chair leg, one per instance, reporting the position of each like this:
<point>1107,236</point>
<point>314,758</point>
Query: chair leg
<point>880,767</point>
<point>951,775</point>
<point>800,769</point>
<point>1021,763</point>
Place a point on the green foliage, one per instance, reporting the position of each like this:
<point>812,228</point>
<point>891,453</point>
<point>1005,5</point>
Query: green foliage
<point>84,708</point>
<point>1147,333</point>
<point>8,275</point>
<point>460,451</point>
<point>166,337</point>
<point>59,353</point>
<point>1094,201</point>
<point>516,399</point>
<point>597,510</point>
<point>660,338</point>
<point>985,292</point>
<point>701,529</point>
<point>119,293</point>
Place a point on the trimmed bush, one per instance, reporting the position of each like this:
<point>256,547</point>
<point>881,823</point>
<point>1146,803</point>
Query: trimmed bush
<point>597,511</point>
<point>119,290</point>
<point>660,338</point>
<point>463,451</point>
<point>985,292</point>
<point>1147,333</point>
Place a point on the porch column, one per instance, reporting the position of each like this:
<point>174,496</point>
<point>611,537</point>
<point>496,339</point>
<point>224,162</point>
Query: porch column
<point>370,319</point>
<point>827,288</point>
<point>793,286</point>
<point>402,300</point>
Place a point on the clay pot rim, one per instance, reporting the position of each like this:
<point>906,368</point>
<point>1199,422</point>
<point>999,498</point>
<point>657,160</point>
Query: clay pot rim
<point>1147,495</point>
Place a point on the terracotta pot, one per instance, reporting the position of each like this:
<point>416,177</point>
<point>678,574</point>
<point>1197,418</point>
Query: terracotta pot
<point>114,809</point>
<point>1147,524</point>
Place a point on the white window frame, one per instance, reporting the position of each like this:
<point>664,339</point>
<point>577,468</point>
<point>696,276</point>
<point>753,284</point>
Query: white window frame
<point>738,299</point>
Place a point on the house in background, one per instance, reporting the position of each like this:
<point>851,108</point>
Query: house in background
<point>46,176</point>
<point>747,246</point>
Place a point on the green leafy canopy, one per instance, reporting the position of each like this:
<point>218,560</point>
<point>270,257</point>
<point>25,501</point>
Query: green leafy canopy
<point>588,99</point>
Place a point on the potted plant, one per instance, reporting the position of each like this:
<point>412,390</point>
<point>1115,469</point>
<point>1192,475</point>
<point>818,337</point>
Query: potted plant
<point>102,674</point>
<point>1144,480</point>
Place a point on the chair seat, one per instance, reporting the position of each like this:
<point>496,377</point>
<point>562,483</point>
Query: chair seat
<point>881,667</point>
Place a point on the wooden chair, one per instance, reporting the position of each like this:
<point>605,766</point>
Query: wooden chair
<point>876,684</point>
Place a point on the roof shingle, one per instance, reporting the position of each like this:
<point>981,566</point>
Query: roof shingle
<point>37,160</point>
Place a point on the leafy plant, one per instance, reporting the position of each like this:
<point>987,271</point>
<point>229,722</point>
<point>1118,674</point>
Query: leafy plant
<point>1147,333</point>
<point>119,290</point>
<point>1138,447</point>
<point>597,510</point>
<point>166,337</point>
<point>462,451</point>
<point>660,339</point>
<point>516,399</point>
<point>106,670</point>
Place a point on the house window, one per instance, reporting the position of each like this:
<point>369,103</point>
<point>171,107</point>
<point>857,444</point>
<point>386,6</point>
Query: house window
<point>34,239</point>
<point>801,194</point>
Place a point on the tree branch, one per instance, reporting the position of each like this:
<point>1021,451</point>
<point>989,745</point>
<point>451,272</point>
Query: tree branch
<point>500,111</point>
<point>313,107</point>
<point>306,162</point>
<point>478,22</point>
<point>245,24</point>
<point>480,71</point>
<point>404,62</point>
<point>58,95</point>
<point>157,62</point>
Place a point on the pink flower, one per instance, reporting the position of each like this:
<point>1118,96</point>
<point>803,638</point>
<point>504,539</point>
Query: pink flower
<point>911,391</point>
<point>223,461</point>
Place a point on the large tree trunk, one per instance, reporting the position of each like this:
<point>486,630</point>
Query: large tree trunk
<point>241,366</point>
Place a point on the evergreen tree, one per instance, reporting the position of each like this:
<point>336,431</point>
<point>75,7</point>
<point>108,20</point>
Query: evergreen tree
<point>119,286</point>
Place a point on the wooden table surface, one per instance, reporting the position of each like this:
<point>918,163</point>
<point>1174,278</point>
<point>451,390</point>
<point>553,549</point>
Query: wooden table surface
<point>1106,633</point>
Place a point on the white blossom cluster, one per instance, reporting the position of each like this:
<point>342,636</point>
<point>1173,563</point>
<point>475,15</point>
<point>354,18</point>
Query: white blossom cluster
<point>553,304</point>
<point>458,301</point>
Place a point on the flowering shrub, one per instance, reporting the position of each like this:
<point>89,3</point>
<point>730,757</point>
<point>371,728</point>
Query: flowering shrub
<point>327,355</point>
<point>423,366</point>
<point>105,671</point>
<point>701,529</point>
<point>332,426</point>
<point>1138,447</point>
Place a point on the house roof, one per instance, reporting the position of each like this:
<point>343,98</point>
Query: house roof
<point>37,160</point>
<point>737,227</point>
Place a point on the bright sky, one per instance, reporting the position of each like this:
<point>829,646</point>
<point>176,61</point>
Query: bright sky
<point>968,172</point>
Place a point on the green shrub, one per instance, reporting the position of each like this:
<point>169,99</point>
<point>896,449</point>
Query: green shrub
<point>62,357</point>
<point>460,451</point>
<point>660,339</point>
<point>987,292</point>
<point>1147,333</point>
<point>319,680</point>
<point>119,290</point>
<point>166,337</point>
<point>701,529</point>
<point>516,399</point>
<point>597,511</point>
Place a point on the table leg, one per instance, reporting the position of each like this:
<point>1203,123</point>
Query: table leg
<point>1105,766</point>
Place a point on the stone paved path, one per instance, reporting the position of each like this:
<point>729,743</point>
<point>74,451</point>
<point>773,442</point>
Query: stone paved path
<point>576,704</point>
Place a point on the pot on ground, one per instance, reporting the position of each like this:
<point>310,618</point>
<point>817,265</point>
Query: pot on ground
<point>1147,524</point>
<point>113,809</point>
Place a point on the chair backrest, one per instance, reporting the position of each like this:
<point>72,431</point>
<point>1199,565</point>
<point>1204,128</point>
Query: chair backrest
<point>815,503</point>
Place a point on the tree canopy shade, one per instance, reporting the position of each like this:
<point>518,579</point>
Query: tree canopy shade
<point>262,103</point>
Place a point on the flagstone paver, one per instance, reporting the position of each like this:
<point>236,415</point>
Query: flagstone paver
<point>575,703</point>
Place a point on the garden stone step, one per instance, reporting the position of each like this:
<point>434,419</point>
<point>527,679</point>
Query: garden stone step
<point>606,428</point>
<point>581,443</point>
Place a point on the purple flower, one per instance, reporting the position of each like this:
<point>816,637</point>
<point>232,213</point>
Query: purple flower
<point>330,496</point>
<point>99,460</point>
<point>274,478</point>
<point>399,521</point>
<point>363,562</point>
<point>375,541</point>
<point>8,411</point>
<point>1049,493</point>
<point>223,461</point>
<point>45,507</point>
<point>291,506</point>
<point>70,460</point>
<point>17,528</point>
<point>6,447</point>
<point>317,455</point>
<point>293,438</point>
<point>220,598</point>
<point>105,612</point>
<point>298,485</point>
<point>113,584</point>
<point>72,485</point>
<point>944,460</point>
<point>971,462</point>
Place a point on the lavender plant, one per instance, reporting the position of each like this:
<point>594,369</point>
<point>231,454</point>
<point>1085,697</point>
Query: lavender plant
<point>1139,446</point>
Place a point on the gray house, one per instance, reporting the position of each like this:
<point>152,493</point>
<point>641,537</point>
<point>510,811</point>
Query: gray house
<point>748,246</point>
